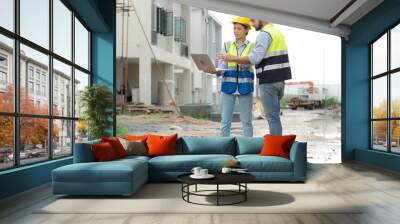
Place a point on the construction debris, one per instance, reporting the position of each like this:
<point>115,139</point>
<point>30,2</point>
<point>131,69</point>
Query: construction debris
<point>144,109</point>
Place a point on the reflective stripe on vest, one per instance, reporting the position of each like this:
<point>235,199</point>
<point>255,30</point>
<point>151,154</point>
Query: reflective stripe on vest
<point>274,67</point>
<point>239,80</point>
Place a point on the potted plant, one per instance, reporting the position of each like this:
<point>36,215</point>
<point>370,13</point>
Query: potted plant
<point>96,103</point>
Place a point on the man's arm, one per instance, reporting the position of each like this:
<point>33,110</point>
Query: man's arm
<point>256,54</point>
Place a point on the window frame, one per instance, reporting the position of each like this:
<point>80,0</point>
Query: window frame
<point>388,74</point>
<point>179,29</point>
<point>16,114</point>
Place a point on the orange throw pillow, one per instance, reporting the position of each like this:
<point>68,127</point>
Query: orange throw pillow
<point>277,145</point>
<point>136,137</point>
<point>161,145</point>
<point>116,145</point>
<point>103,152</point>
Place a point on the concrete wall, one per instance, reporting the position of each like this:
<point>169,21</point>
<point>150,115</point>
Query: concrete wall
<point>167,51</point>
<point>206,40</point>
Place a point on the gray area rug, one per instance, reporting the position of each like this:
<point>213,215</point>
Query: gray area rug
<point>166,198</point>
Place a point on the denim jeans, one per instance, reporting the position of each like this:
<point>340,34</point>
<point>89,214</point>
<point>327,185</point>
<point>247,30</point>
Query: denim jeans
<point>245,109</point>
<point>271,94</point>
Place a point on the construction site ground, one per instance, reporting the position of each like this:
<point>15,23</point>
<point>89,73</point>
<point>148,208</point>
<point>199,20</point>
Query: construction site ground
<point>321,129</point>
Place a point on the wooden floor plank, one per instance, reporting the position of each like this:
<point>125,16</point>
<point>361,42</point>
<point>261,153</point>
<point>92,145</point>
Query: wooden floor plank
<point>376,190</point>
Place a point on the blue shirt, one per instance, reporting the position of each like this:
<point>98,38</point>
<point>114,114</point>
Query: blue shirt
<point>259,50</point>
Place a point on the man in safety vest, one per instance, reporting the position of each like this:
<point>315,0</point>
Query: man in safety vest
<point>271,59</point>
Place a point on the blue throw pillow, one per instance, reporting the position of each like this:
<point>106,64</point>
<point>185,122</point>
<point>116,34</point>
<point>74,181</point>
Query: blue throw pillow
<point>249,145</point>
<point>83,152</point>
<point>206,145</point>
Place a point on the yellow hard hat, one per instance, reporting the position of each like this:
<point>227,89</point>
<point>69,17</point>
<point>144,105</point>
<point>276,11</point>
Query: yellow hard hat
<point>242,20</point>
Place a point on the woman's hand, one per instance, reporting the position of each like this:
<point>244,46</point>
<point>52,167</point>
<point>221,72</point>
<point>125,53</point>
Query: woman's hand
<point>222,56</point>
<point>211,71</point>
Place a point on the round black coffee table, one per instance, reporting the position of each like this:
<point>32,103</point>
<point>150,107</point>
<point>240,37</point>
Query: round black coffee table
<point>238,179</point>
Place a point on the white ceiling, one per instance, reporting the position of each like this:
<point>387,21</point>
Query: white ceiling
<point>322,9</point>
<point>313,15</point>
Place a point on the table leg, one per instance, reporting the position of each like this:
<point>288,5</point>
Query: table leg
<point>196,187</point>
<point>217,194</point>
<point>188,190</point>
<point>245,193</point>
<point>182,188</point>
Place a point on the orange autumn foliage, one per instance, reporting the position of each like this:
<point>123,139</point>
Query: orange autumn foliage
<point>33,130</point>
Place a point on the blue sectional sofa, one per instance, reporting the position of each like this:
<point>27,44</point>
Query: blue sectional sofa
<point>125,176</point>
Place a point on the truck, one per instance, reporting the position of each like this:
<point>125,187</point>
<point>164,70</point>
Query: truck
<point>303,94</point>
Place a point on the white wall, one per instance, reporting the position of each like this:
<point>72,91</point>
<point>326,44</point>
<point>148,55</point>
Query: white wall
<point>167,51</point>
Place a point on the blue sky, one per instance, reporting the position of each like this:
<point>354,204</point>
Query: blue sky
<point>35,27</point>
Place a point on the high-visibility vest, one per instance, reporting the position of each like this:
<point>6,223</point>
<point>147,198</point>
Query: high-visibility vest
<point>238,76</point>
<point>274,67</point>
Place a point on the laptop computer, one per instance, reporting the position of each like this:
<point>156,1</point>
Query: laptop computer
<point>204,63</point>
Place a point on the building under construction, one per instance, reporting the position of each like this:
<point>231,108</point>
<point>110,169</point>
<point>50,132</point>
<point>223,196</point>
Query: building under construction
<point>154,43</point>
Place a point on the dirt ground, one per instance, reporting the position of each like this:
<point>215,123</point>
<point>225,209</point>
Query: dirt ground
<point>320,129</point>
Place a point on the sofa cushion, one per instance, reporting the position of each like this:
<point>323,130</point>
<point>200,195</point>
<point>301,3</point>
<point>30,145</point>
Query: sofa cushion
<point>112,171</point>
<point>116,145</point>
<point>257,163</point>
<point>206,145</point>
<point>83,153</point>
<point>133,158</point>
<point>134,147</point>
<point>248,145</point>
<point>103,152</point>
<point>185,163</point>
<point>159,145</point>
<point>277,145</point>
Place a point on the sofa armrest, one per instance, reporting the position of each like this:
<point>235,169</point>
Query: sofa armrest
<point>298,155</point>
<point>83,152</point>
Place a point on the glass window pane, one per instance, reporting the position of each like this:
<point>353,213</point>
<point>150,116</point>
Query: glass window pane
<point>395,47</point>
<point>395,136</point>
<point>6,142</point>
<point>35,21</point>
<point>33,140</point>
<point>62,29</point>
<point>81,45</point>
<point>81,131</point>
<point>379,56</point>
<point>81,81</point>
<point>62,138</point>
<point>62,89</point>
<point>6,75</point>
<point>395,95</point>
<point>379,135</point>
<point>34,72</point>
<point>7,14</point>
<point>379,97</point>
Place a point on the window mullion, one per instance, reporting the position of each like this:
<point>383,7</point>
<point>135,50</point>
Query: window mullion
<point>50,81</point>
<point>389,93</point>
<point>73,81</point>
<point>16,84</point>
<point>371,140</point>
